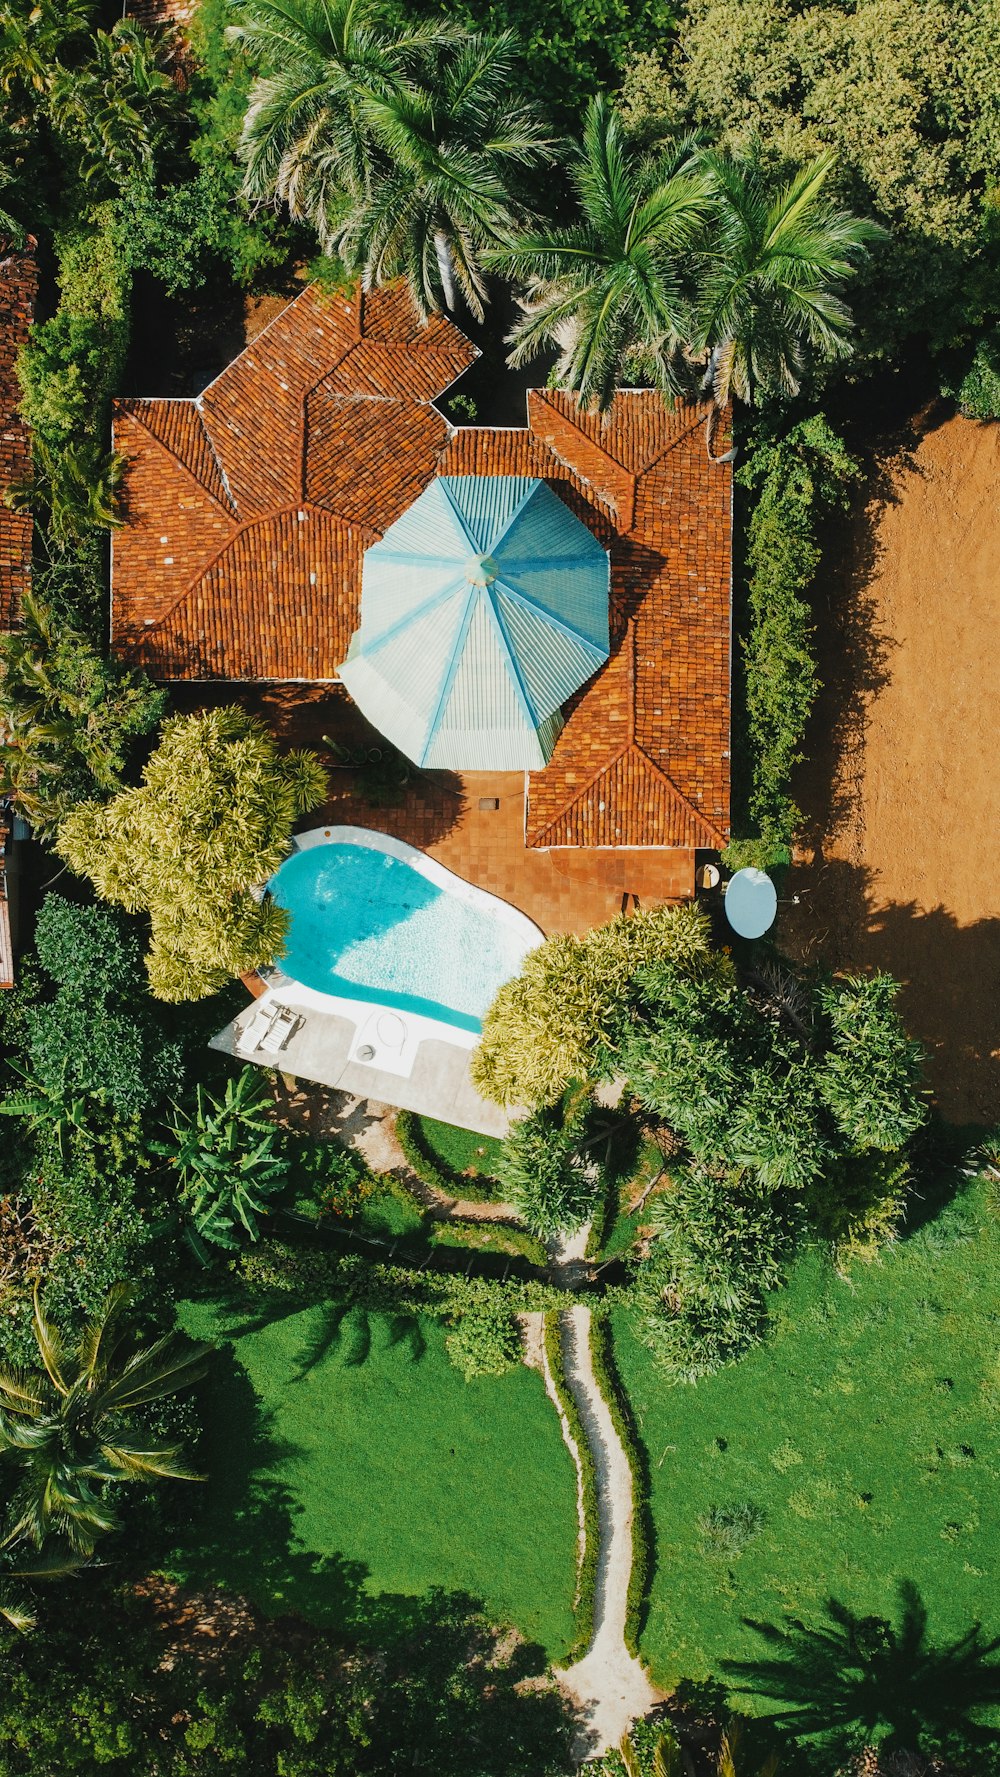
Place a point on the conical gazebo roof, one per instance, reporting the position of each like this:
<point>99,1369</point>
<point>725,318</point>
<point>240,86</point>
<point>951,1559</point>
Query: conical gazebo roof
<point>482,610</point>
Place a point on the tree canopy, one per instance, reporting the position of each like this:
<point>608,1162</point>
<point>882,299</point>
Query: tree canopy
<point>211,820</point>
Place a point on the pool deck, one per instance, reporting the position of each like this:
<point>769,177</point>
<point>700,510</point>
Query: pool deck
<point>321,1049</point>
<point>452,817</point>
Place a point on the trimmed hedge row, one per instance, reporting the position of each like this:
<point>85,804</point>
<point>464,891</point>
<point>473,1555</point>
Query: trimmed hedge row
<point>430,1167</point>
<point>586,1586</point>
<point>509,1237</point>
<point>620,1407</point>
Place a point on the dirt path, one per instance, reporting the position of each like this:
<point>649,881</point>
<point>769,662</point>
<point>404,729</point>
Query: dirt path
<point>902,795</point>
<point>609,1684</point>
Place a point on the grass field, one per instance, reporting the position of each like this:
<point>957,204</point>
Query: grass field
<point>461,1149</point>
<point>863,1442</point>
<point>352,1468</point>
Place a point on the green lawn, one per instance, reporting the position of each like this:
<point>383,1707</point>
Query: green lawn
<point>867,1434</point>
<point>352,1469</point>
<point>461,1149</point>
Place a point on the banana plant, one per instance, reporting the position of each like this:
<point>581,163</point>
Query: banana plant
<point>228,1155</point>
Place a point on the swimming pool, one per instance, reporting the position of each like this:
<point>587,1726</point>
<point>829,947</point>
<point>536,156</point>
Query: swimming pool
<point>375,920</point>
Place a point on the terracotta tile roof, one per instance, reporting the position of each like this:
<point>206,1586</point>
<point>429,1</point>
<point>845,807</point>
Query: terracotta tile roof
<point>18,290</point>
<point>250,509</point>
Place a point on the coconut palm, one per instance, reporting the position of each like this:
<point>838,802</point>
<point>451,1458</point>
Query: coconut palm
<point>306,139</point>
<point>450,147</point>
<point>769,288</point>
<point>64,1427</point>
<point>18,1570</point>
<point>609,290</point>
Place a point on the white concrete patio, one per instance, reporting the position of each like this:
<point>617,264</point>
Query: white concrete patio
<point>373,1052</point>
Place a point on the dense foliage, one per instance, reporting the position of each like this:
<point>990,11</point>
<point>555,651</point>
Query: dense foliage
<point>229,1159</point>
<point>548,1026</point>
<point>68,716</point>
<point>211,820</point>
<point>132,1688</point>
<point>902,93</point>
<point>796,479</point>
<point>543,1175</point>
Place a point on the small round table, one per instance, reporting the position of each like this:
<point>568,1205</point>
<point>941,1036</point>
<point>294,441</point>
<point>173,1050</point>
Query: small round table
<point>751,902</point>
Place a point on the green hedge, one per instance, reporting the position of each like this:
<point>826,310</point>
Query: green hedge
<point>310,1274</point>
<point>620,1407</point>
<point>431,1168</point>
<point>795,478</point>
<point>586,1586</point>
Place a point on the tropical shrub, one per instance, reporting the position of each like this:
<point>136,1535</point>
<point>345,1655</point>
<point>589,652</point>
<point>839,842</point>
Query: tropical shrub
<point>795,480</point>
<point>68,716</point>
<point>95,1035</point>
<point>869,1079</point>
<point>116,1683</point>
<point>553,1023</point>
<point>65,1426</point>
<point>543,1176</point>
<point>857,1204</point>
<point>723,1076</point>
<point>979,389</point>
<point>229,1157</point>
<point>211,820</point>
<point>699,1298</point>
<point>68,370</point>
<point>484,1342</point>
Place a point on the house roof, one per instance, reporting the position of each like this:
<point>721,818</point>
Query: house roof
<point>18,290</point>
<point>250,508</point>
<point>483,609</point>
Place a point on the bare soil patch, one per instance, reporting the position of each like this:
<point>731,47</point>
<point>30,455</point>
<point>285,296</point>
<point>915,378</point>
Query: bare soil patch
<point>902,792</point>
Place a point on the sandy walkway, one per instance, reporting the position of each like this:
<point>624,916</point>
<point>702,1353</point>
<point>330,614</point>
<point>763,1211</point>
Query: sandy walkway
<point>610,1685</point>
<point>903,789</point>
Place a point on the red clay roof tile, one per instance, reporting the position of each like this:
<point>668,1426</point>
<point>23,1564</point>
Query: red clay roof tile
<point>250,511</point>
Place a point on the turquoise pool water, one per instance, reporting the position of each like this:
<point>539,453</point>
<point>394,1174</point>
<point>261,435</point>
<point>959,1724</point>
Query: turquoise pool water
<point>370,927</point>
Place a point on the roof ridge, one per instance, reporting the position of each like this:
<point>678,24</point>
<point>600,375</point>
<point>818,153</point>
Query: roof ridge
<point>613,759</point>
<point>241,529</point>
<point>232,511</point>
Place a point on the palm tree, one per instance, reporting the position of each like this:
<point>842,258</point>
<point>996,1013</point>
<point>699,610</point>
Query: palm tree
<point>65,1427</point>
<point>305,137</point>
<point>609,290</point>
<point>450,147</point>
<point>401,149</point>
<point>18,1570</point>
<point>32,39</point>
<point>116,106</point>
<point>769,286</point>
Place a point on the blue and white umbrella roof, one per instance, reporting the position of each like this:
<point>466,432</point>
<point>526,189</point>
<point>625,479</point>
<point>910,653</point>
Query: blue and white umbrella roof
<point>482,610</point>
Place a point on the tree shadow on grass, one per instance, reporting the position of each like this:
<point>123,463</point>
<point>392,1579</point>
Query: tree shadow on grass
<point>862,1680</point>
<point>458,1696</point>
<point>336,1324</point>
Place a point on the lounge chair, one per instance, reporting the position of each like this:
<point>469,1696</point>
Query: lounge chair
<point>253,1034</point>
<point>283,1025</point>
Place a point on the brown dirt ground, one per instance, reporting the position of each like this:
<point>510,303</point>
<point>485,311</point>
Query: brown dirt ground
<point>902,793</point>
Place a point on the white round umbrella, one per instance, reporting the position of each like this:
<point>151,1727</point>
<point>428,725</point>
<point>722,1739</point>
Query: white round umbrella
<point>751,902</point>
